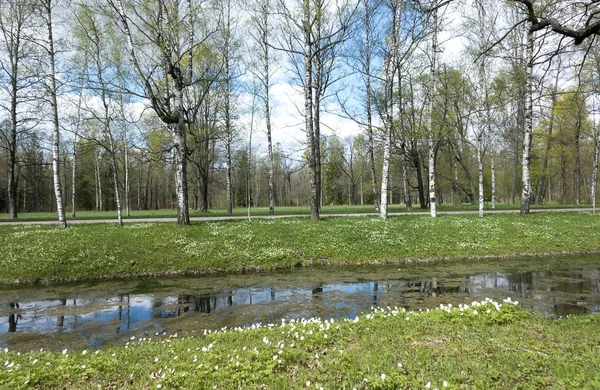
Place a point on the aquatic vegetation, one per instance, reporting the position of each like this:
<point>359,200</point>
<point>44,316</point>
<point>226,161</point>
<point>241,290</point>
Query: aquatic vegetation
<point>484,344</point>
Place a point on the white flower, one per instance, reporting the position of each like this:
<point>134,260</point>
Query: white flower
<point>83,366</point>
<point>64,351</point>
<point>307,383</point>
<point>399,365</point>
<point>382,377</point>
<point>84,352</point>
<point>216,368</point>
<point>428,385</point>
<point>445,384</point>
<point>155,359</point>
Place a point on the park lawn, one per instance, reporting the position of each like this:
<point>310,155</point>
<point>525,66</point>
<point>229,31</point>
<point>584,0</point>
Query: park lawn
<point>483,345</point>
<point>263,211</point>
<point>47,254</point>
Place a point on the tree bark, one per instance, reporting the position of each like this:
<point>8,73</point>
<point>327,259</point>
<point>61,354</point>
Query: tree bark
<point>494,199</point>
<point>430,138</point>
<point>595,168</point>
<point>369,108</point>
<point>541,188</point>
<point>390,72</point>
<point>526,161</point>
<point>62,221</point>
<point>308,112</point>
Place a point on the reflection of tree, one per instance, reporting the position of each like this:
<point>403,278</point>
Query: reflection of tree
<point>13,319</point>
<point>521,283</point>
<point>317,291</point>
<point>127,313</point>
<point>375,291</point>
<point>61,319</point>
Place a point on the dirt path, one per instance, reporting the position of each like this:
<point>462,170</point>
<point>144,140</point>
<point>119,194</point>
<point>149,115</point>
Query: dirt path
<point>229,218</point>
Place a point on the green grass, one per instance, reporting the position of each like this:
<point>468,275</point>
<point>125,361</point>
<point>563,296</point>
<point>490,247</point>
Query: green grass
<point>261,211</point>
<point>36,253</point>
<point>482,346</point>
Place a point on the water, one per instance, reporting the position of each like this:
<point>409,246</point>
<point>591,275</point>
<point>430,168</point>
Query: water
<point>104,313</point>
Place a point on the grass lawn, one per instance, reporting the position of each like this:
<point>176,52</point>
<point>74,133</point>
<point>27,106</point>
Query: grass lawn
<point>260,211</point>
<point>35,253</point>
<point>484,345</point>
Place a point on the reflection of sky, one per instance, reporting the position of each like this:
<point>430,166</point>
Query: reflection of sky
<point>552,293</point>
<point>33,316</point>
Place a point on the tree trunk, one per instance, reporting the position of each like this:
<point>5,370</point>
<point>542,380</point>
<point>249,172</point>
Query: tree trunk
<point>494,199</point>
<point>577,186</point>
<point>56,126</point>
<point>390,72</point>
<point>12,149</point>
<point>595,168</point>
<point>526,179</point>
<point>266,85</point>
<point>126,162</point>
<point>430,138</point>
<point>541,188</point>
<point>308,113</point>
<point>480,168</point>
<point>180,158</point>
<point>371,147</point>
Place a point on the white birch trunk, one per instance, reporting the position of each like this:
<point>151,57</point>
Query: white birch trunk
<point>113,161</point>
<point>369,105</point>
<point>430,139</point>
<point>595,168</point>
<point>56,126</point>
<point>127,188</point>
<point>493,183</point>
<point>308,112</point>
<point>227,107</point>
<point>526,159</point>
<point>264,44</point>
<point>390,71</point>
<point>480,168</point>
<point>73,174</point>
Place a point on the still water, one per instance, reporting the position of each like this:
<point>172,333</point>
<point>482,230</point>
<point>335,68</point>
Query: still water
<point>103,313</point>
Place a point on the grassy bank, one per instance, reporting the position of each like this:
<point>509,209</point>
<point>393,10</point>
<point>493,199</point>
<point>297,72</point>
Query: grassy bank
<point>47,254</point>
<point>485,345</point>
<point>262,211</point>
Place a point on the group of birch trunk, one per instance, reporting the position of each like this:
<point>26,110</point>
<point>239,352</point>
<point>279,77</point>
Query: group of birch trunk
<point>187,62</point>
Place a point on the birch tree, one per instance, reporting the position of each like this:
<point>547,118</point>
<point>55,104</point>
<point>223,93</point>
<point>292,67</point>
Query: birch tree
<point>315,31</point>
<point>431,142</point>
<point>17,79</point>
<point>526,192</point>
<point>47,6</point>
<point>166,38</point>
<point>91,35</point>
<point>261,32</point>
<point>390,72</point>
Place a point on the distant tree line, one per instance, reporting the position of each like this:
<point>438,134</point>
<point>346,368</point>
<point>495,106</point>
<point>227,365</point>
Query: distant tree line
<point>149,104</point>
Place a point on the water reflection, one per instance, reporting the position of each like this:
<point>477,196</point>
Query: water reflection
<point>171,304</point>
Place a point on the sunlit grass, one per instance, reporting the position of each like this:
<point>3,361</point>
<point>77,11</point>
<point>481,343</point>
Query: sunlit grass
<point>483,345</point>
<point>47,254</point>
